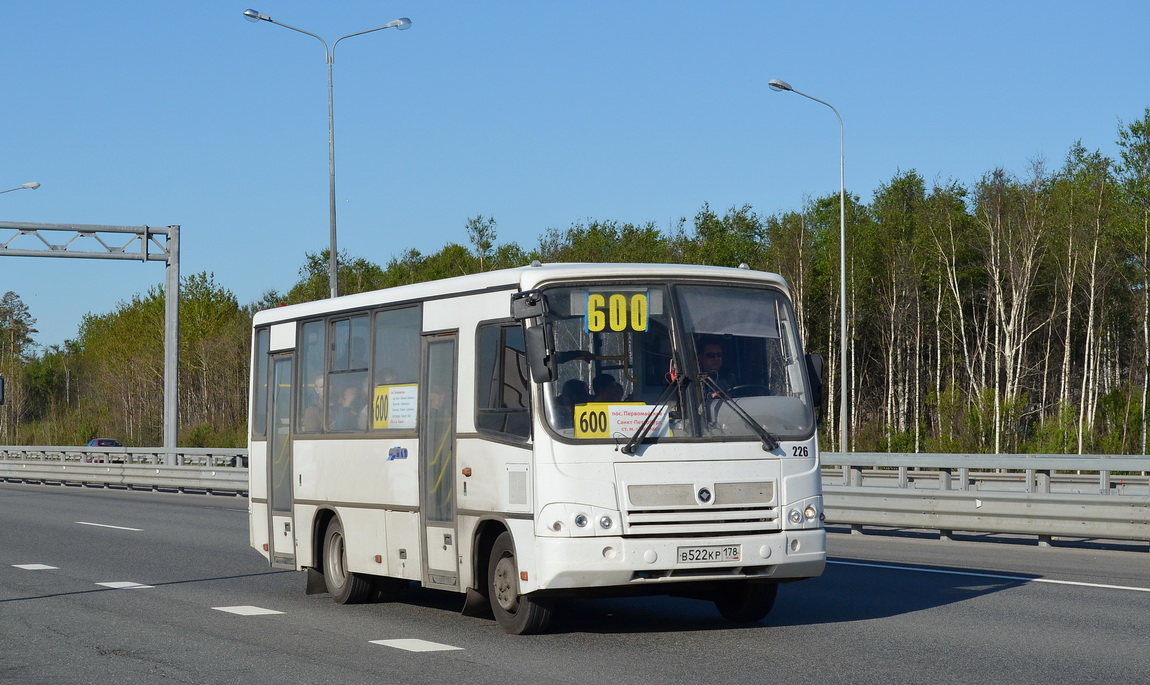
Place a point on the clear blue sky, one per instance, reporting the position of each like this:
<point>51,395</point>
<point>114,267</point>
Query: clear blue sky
<point>540,114</point>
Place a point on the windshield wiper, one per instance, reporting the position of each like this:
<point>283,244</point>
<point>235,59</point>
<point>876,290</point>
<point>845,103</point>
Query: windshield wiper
<point>651,421</point>
<point>770,441</point>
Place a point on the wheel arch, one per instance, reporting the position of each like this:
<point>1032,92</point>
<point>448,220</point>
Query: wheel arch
<point>318,529</point>
<point>484,538</point>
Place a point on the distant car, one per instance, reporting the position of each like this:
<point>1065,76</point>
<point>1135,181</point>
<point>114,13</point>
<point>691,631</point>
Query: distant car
<point>104,442</point>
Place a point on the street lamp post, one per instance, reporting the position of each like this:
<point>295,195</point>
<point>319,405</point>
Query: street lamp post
<point>778,85</point>
<point>27,186</point>
<point>401,24</point>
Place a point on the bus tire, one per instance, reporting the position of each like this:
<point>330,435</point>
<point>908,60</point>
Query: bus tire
<point>515,613</point>
<point>344,586</point>
<point>746,602</point>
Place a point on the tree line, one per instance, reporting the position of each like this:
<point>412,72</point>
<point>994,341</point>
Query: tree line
<point>1008,315</point>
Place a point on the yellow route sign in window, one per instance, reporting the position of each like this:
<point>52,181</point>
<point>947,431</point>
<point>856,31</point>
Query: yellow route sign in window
<point>617,312</point>
<point>598,420</point>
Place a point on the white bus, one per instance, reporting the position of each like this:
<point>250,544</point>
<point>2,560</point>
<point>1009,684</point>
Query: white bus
<point>545,432</point>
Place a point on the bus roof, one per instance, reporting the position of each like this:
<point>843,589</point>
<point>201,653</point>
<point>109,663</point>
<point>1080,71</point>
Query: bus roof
<point>517,278</point>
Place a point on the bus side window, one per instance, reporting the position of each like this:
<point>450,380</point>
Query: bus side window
<point>503,404</point>
<point>259,387</point>
<point>312,378</point>
<point>394,369</point>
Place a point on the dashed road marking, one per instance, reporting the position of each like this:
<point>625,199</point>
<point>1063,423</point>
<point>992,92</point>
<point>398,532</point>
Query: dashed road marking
<point>36,567</point>
<point>104,525</point>
<point>413,645</point>
<point>247,610</point>
<point>125,585</point>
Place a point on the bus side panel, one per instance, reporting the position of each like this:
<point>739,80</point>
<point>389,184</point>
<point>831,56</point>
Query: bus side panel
<point>403,548</point>
<point>258,497</point>
<point>500,480</point>
<point>802,477</point>
<point>258,528</point>
<point>304,515</point>
<point>366,538</point>
<point>358,471</point>
<point>375,482</point>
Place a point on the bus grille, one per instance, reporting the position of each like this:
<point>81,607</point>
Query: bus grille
<point>675,509</point>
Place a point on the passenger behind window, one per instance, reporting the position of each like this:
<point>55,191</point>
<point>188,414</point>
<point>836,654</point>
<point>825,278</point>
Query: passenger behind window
<point>606,388</point>
<point>574,393</point>
<point>345,409</point>
<point>312,421</point>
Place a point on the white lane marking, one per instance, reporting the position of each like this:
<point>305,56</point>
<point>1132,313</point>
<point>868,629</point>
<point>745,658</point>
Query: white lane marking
<point>413,645</point>
<point>104,525</point>
<point>1017,579</point>
<point>36,567</point>
<point>247,610</point>
<point>125,585</point>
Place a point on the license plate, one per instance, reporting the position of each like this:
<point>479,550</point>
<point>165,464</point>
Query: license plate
<point>692,555</point>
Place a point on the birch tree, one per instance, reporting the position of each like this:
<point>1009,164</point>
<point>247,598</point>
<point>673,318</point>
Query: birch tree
<point>1012,216</point>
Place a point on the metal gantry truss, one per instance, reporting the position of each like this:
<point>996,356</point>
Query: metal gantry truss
<point>105,242</point>
<point>140,243</point>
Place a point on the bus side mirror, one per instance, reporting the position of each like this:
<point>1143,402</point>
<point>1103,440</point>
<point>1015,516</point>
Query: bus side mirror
<point>815,372</point>
<point>540,358</point>
<point>1,390</point>
<point>528,304</point>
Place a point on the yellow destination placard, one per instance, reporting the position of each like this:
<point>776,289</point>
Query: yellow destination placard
<point>394,406</point>
<point>598,420</point>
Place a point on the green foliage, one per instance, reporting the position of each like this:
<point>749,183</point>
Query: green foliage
<point>605,242</point>
<point>738,237</point>
<point>1118,428</point>
<point>355,276</point>
<point>481,231</point>
<point>212,435</point>
<point>1056,434</point>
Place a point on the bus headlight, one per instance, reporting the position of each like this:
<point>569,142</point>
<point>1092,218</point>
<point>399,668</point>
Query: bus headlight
<point>796,516</point>
<point>810,512</point>
<point>579,520</point>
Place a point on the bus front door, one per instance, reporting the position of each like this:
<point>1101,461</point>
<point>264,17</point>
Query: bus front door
<point>437,463</point>
<point>281,536</point>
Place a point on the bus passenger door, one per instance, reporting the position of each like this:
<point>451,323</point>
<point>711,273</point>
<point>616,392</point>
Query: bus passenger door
<point>437,462</point>
<point>281,536</point>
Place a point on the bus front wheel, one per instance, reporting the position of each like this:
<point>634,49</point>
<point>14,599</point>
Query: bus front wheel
<point>515,613</point>
<point>344,586</point>
<point>746,602</point>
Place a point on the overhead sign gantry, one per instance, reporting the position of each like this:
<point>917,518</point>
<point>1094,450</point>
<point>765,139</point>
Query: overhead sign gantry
<point>136,243</point>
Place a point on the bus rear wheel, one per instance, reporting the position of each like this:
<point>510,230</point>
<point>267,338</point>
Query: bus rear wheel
<point>515,613</point>
<point>746,602</point>
<point>344,586</point>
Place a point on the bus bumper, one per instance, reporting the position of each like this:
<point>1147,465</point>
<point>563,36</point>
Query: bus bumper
<point>570,563</point>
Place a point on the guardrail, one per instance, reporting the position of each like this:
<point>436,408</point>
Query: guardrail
<point>186,469</point>
<point>1102,496</point>
<point>1097,496</point>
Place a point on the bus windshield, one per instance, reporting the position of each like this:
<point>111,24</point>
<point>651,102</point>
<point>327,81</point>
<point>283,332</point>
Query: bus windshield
<point>676,361</point>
